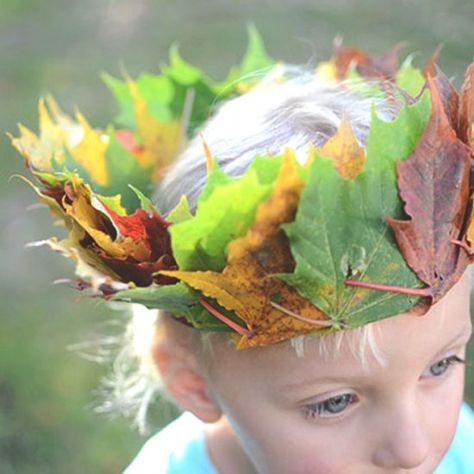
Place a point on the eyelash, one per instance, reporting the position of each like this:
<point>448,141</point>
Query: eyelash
<point>445,364</point>
<point>324,409</point>
<point>328,409</point>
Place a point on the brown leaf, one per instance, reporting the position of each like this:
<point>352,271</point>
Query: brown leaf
<point>448,94</point>
<point>434,184</point>
<point>376,66</point>
<point>466,106</point>
<point>431,66</point>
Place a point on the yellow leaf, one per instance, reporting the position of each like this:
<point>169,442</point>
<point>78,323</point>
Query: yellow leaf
<point>39,151</point>
<point>57,131</point>
<point>90,152</point>
<point>54,206</point>
<point>161,141</point>
<point>246,285</point>
<point>326,70</point>
<point>344,149</point>
<point>88,266</point>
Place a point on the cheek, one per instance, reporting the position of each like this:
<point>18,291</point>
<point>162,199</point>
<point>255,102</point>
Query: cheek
<point>281,441</point>
<point>444,412</point>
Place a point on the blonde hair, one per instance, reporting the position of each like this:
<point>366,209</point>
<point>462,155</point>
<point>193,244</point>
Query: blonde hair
<point>298,112</point>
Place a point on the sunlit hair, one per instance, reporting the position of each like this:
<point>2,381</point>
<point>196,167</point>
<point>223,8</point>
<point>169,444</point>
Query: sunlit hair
<point>301,111</point>
<point>296,112</point>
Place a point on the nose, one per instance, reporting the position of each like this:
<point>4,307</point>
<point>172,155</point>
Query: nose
<point>403,441</point>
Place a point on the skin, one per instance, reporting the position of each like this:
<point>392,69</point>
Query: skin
<point>271,413</point>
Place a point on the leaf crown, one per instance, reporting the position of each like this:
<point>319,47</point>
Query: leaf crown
<point>351,236</point>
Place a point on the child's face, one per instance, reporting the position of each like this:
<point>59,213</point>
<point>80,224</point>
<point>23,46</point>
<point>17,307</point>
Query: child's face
<point>306,415</point>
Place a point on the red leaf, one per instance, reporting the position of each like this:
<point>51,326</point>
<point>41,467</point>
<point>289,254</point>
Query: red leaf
<point>127,139</point>
<point>434,184</point>
<point>146,229</point>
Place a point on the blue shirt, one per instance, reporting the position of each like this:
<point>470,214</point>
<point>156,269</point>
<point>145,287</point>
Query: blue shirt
<point>180,448</point>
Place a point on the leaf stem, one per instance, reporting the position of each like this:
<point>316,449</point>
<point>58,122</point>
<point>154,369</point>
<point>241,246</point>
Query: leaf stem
<point>242,331</point>
<point>463,245</point>
<point>392,289</point>
<point>316,322</point>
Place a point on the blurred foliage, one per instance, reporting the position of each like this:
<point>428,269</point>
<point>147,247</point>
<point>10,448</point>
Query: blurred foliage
<point>47,423</point>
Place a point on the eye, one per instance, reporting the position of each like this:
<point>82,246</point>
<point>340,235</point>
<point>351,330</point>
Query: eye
<point>330,407</point>
<point>440,367</point>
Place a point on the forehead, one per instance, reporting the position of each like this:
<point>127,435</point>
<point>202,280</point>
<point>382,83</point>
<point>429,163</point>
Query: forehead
<point>402,339</point>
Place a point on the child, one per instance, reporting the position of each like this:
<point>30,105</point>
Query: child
<point>327,224</point>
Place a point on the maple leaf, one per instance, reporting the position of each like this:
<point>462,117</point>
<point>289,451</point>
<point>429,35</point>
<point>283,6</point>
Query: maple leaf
<point>161,141</point>
<point>409,78</point>
<point>339,232</point>
<point>344,149</point>
<point>459,107</point>
<point>434,184</point>
<point>180,300</point>
<point>466,107</point>
<point>375,66</point>
<point>65,145</point>
<point>126,248</point>
<point>247,286</point>
<point>225,211</point>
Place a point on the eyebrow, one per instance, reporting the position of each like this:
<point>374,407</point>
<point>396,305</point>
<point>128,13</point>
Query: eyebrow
<point>466,330</point>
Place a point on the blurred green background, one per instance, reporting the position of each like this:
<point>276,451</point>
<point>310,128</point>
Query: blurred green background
<point>47,424</point>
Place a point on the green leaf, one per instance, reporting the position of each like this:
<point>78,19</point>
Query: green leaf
<point>124,170</point>
<point>256,58</point>
<point>340,230</point>
<point>182,71</point>
<point>215,178</point>
<point>224,213</point>
<point>179,300</point>
<point>112,202</point>
<point>119,89</point>
<point>190,81</point>
<point>176,299</point>
<point>145,202</point>
<point>181,212</point>
<point>56,179</point>
<point>158,92</point>
<point>394,140</point>
<point>410,78</point>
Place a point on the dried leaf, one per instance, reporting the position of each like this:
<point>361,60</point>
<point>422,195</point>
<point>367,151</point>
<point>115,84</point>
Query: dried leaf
<point>448,94</point>
<point>466,106</point>
<point>377,66</point>
<point>434,184</point>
